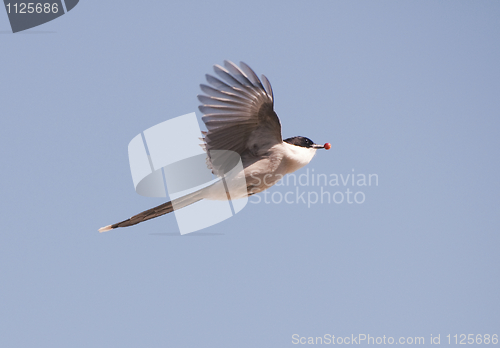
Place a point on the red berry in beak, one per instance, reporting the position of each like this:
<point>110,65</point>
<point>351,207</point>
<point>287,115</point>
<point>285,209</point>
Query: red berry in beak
<point>328,146</point>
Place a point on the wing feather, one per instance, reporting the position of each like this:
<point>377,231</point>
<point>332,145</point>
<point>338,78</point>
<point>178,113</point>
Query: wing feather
<point>239,74</point>
<point>225,75</point>
<point>223,109</point>
<point>252,76</point>
<point>219,101</point>
<point>222,86</point>
<point>268,87</point>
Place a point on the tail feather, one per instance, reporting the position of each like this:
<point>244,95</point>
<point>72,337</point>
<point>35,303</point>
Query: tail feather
<point>160,210</point>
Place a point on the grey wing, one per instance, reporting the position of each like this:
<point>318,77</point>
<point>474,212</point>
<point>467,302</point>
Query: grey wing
<point>238,111</point>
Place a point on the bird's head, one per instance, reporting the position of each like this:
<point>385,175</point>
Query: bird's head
<point>300,151</point>
<point>306,143</point>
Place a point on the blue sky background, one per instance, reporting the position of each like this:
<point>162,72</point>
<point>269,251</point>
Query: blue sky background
<point>407,90</point>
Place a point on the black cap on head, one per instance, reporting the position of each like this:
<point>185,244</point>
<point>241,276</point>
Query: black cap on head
<point>300,141</point>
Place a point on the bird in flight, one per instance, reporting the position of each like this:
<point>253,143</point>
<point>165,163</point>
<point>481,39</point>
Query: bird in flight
<point>238,112</point>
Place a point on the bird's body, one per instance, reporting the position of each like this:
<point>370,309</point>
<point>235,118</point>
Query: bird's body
<point>240,118</point>
<point>282,159</point>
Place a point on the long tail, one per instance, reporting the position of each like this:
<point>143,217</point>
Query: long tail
<point>160,210</point>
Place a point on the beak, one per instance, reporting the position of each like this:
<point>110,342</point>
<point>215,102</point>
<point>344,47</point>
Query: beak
<point>327,146</point>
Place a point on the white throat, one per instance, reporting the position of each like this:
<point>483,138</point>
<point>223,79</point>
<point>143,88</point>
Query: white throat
<point>297,156</point>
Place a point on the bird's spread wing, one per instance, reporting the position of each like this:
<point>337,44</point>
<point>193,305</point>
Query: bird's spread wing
<point>238,111</point>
